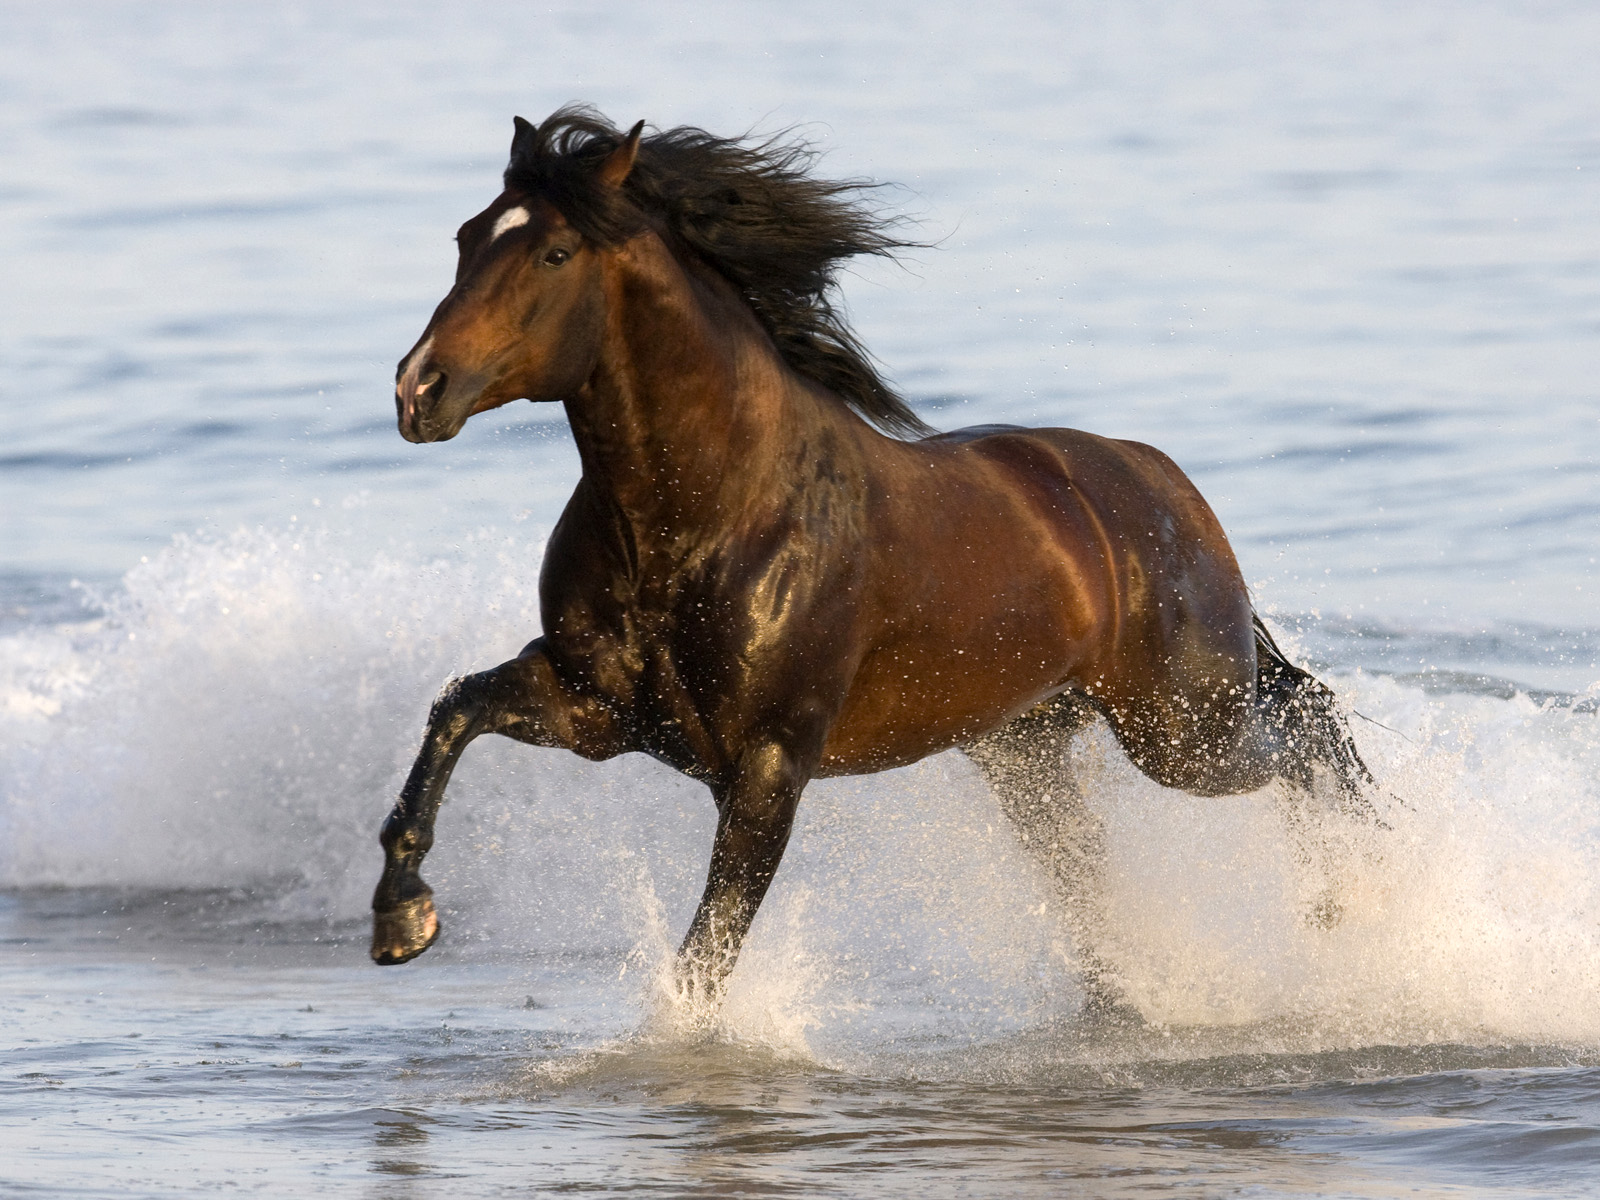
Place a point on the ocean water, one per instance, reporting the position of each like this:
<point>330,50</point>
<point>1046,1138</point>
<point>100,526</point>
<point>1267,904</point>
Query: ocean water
<point>1339,262</point>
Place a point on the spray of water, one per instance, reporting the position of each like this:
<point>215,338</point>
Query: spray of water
<point>244,709</point>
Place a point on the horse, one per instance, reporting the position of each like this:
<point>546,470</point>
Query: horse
<point>771,570</point>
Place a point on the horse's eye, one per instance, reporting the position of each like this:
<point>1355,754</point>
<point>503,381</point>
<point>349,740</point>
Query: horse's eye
<point>556,257</point>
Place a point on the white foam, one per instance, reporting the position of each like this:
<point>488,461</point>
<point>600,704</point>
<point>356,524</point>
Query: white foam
<point>1476,913</point>
<point>246,709</point>
<point>239,713</point>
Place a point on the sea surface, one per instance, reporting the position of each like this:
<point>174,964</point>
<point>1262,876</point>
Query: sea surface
<point>1342,262</point>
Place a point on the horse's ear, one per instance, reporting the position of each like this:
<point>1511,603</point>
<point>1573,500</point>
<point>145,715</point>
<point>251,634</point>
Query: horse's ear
<point>522,140</point>
<point>620,161</point>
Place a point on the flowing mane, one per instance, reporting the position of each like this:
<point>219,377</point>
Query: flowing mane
<point>753,212</point>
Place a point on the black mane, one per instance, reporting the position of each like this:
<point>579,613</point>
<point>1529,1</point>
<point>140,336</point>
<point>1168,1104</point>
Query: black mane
<point>752,211</point>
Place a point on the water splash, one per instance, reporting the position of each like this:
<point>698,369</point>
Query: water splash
<point>243,711</point>
<point>239,711</point>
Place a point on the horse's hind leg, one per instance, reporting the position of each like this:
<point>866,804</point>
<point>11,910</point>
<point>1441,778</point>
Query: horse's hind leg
<point>1025,766</point>
<point>523,699</point>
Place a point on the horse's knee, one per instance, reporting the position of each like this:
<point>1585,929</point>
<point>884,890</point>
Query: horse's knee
<point>446,713</point>
<point>467,692</point>
<point>468,705</point>
<point>526,700</point>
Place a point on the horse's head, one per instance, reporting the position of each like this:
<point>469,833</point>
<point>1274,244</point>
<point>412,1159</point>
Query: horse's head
<point>539,271</point>
<point>527,312</point>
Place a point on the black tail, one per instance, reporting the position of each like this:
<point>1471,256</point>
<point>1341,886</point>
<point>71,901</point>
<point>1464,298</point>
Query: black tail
<point>1302,713</point>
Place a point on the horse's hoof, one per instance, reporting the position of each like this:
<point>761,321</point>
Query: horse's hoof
<point>1107,1011</point>
<point>402,933</point>
<point>1105,1004</point>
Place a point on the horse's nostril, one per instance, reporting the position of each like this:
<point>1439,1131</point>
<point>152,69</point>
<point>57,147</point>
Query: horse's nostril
<point>416,400</point>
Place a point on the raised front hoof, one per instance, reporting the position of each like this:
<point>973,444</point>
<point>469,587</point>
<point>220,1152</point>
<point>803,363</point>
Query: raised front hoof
<point>402,933</point>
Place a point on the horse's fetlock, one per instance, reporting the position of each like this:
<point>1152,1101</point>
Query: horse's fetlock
<point>401,839</point>
<point>393,828</point>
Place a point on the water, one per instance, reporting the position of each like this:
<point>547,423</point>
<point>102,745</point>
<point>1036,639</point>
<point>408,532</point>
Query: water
<point>1339,264</point>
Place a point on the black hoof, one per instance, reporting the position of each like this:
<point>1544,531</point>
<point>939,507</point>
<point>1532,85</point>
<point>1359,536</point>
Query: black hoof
<point>402,933</point>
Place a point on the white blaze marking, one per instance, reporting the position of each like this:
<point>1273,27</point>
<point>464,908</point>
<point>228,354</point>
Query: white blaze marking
<point>419,355</point>
<point>510,219</point>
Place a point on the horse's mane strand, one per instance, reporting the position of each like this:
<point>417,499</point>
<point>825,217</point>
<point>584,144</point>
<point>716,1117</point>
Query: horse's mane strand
<point>752,211</point>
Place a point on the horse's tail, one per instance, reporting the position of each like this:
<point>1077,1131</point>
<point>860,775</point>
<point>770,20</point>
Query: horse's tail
<point>1305,721</point>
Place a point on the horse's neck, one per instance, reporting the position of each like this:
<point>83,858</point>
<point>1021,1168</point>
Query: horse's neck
<point>691,419</point>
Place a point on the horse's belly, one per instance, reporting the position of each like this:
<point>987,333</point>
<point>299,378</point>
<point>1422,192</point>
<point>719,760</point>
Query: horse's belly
<point>906,705</point>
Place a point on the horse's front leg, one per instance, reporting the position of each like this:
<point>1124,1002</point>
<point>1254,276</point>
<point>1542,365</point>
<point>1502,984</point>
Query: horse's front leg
<point>756,808</point>
<point>524,699</point>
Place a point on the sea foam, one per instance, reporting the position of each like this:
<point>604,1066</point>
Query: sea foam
<point>242,710</point>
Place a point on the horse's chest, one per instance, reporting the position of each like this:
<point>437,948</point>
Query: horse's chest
<point>651,665</point>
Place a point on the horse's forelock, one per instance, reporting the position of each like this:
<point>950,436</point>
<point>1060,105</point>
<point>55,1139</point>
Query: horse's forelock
<point>559,160</point>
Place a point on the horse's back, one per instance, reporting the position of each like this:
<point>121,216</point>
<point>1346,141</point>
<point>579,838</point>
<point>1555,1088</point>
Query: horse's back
<point>1136,492</point>
<point>1168,546</point>
<point>1108,464</point>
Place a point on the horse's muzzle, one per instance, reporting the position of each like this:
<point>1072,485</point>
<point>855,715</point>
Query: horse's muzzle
<point>415,398</point>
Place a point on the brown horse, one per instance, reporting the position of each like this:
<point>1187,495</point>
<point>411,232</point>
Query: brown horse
<point>770,570</point>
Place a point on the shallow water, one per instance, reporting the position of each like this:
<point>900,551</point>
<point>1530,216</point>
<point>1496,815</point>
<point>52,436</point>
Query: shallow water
<point>264,1057</point>
<point>1340,265</point>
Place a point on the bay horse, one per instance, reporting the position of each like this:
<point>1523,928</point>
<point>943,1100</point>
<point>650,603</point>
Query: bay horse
<point>771,570</point>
